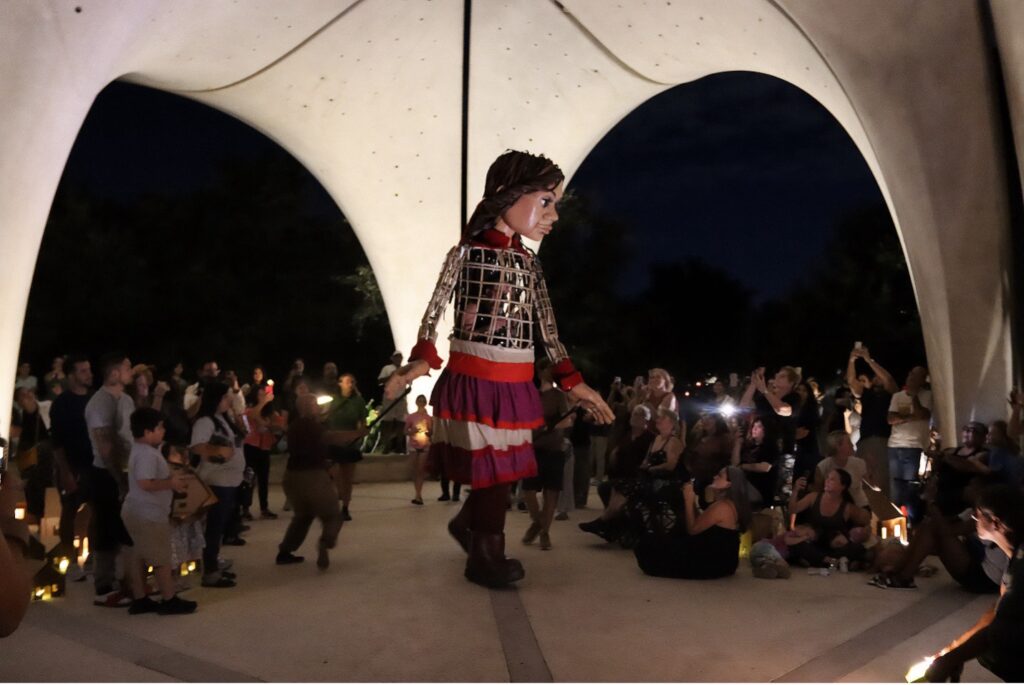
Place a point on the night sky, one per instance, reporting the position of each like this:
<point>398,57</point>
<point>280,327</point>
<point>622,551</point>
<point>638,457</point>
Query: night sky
<point>745,171</point>
<point>742,170</point>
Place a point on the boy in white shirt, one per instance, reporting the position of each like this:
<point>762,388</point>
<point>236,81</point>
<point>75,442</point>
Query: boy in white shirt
<point>146,514</point>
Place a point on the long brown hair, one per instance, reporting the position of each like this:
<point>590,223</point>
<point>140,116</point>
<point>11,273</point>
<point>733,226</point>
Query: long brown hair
<point>512,175</point>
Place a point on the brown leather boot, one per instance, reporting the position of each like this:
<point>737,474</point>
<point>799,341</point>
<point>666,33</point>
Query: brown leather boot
<point>487,564</point>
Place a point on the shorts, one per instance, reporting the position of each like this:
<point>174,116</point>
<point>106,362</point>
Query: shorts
<point>550,471</point>
<point>151,539</point>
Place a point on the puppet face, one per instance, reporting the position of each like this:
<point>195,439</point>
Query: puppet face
<point>533,215</point>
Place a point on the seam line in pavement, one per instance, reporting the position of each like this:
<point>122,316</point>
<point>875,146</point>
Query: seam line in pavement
<point>848,656</point>
<point>523,656</point>
<point>131,648</point>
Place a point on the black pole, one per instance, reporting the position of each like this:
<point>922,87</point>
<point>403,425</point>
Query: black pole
<point>467,18</point>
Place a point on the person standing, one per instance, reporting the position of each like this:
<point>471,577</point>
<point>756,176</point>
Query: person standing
<point>548,444</point>
<point>108,418</point>
<point>72,450</point>
<point>485,402</point>
<point>260,439</point>
<point>348,413</point>
<point>874,391</point>
<point>151,488</point>
<point>222,471</point>
<point>910,413</point>
<point>417,440</point>
<point>308,486</point>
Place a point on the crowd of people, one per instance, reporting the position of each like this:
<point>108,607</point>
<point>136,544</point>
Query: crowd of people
<point>147,443</point>
<point>681,476</point>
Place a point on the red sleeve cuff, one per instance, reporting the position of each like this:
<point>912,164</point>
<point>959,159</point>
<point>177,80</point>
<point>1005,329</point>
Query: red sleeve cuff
<point>426,351</point>
<point>565,374</point>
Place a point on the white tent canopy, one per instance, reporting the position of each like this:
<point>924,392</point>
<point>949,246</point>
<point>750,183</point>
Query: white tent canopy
<point>370,96</point>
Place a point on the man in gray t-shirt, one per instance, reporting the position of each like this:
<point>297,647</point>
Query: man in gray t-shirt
<point>108,418</point>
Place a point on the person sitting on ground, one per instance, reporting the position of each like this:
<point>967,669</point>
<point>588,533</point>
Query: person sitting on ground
<point>758,460</point>
<point>657,471</point>
<point>839,455</point>
<point>976,565</point>
<point>151,488</point>
<point>15,576</point>
<point>708,545</point>
<point>1004,459</point>
<point>996,640</point>
<point>833,514</point>
<point>628,452</point>
<point>954,470</point>
<point>308,485</point>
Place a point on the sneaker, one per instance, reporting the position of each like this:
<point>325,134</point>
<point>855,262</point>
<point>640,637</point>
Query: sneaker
<point>562,516</point>
<point>267,514</point>
<point>219,580</point>
<point>114,599</point>
<point>417,501</point>
<point>230,575</point>
<point>234,541</point>
<point>285,558</point>
<point>456,499</point>
<point>322,559</point>
<point>225,564</point>
<point>176,605</point>
<point>444,498</point>
<point>142,606</point>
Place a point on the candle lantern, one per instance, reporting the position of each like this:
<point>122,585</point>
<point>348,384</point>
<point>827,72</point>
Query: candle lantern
<point>893,529</point>
<point>48,583</point>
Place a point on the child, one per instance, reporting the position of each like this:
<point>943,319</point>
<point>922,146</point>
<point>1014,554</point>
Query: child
<point>188,535</point>
<point>145,513</point>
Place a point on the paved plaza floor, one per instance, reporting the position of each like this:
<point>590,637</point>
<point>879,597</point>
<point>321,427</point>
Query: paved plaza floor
<point>394,607</point>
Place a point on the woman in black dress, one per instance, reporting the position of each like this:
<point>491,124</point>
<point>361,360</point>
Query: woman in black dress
<point>708,545</point>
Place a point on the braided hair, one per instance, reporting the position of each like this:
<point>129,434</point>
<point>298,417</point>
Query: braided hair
<point>511,175</point>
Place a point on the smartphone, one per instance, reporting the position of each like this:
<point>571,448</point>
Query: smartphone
<point>858,345</point>
<point>4,457</point>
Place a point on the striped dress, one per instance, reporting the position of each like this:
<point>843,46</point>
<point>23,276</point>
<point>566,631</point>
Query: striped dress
<point>485,402</point>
